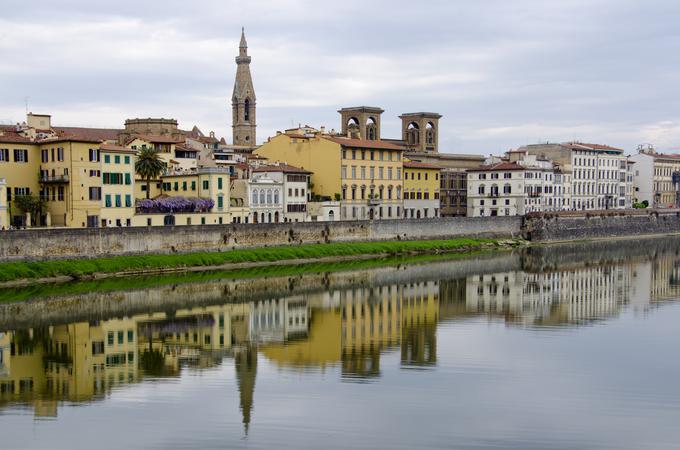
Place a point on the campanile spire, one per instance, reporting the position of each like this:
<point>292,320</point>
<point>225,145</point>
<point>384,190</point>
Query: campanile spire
<point>243,104</point>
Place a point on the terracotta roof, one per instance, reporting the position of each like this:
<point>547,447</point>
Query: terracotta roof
<point>88,134</point>
<point>155,139</point>
<point>419,165</point>
<point>363,143</point>
<point>662,155</point>
<point>497,166</point>
<point>585,145</point>
<point>116,149</point>
<point>9,134</point>
<point>285,168</point>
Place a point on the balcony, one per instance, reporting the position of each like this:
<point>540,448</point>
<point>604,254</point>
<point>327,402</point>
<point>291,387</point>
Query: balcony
<point>54,179</point>
<point>375,201</point>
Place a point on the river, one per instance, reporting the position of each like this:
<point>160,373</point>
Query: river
<point>549,347</point>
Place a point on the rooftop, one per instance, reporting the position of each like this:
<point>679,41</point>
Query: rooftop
<point>364,143</point>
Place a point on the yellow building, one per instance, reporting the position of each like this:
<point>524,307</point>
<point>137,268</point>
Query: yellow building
<point>118,185</point>
<point>4,213</point>
<point>19,166</point>
<point>206,183</point>
<point>421,190</point>
<point>365,175</point>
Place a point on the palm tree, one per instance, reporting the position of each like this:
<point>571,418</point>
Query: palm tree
<point>149,166</point>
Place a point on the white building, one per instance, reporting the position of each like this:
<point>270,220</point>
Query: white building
<point>601,175</point>
<point>518,184</point>
<point>295,188</point>
<point>265,197</point>
<point>653,178</point>
<point>496,189</point>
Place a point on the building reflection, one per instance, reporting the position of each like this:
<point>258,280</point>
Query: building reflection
<point>349,330</point>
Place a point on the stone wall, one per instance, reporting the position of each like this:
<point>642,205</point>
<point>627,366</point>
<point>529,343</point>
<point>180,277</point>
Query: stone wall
<point>96,242</point>
<point>597,225</point>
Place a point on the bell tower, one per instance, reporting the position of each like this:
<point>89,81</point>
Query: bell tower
<point>244,121</point>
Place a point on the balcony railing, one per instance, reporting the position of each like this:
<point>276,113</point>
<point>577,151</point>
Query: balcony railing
<point>54,179</point>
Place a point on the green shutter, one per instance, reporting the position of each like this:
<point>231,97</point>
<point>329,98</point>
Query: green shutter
<point>128,179</point>
<point>108,200</point>
<point>219,183</point>
<point>193,185</point>
<point>127,160</point>
<point>117,159</point>
<point>107,159</point>
<point>220,202</point>
<point>128,200</point>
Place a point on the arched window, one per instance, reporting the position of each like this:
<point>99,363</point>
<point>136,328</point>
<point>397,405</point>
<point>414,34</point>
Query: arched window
<point>246,110</point>
<point>276,196</point>
<point>494,190</point>
<point>371,129</point>
<point>481,189</point>
<point>269,196</point>
<point>507,189</point>
<point>262,198</point>
<point>398,192</point>
<point>254,196</point>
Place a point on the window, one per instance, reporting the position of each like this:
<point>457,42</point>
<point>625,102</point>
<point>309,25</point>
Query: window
<point>206,184</point>
<point>127,160</point>
<point>120,337</point>
<point>109,338</point>
<point>220,202</point>
<point>193,185</point>
<point>4,155</point>
<point>95,193</point>
<point>118,201</point>
<point>184,185</point>
<point>107,159</point>
<point>44,156</point>
<point>128,179</point>
<point>219,183</point>
<point>255,197</point>
<point>116,159</point>
<point>107,201</point>
<point>128,201</point>
<point>60,193</point>
<point>20,155</point>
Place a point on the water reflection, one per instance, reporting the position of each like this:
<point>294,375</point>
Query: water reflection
<point>351,324</point>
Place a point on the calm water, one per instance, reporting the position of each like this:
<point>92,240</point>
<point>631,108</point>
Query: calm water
<point>568,347</point>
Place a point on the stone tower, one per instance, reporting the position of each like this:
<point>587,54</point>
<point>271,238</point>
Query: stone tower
<point>420,131</point>
<point>243,100</point>
<point>361,122</point>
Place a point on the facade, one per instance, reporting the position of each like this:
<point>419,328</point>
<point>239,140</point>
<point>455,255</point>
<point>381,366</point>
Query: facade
<point>421,190</point>
<point>653,178</point>
<point>419,131</point>
<point>265,196</point>
<point>295,189</point>
<point>453,178</point>
<point>4,213</point>
<point>117,193</point>
<point>243,101</point>
<point>602,178</point>
<point>496,189</point>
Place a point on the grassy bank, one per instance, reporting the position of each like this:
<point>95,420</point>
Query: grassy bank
<point>135,282</point>
<point>138,264</point>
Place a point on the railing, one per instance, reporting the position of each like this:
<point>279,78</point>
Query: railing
<point>54,179</point>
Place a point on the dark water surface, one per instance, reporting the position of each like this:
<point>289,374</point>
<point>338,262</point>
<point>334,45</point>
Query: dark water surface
<point>561,347</point>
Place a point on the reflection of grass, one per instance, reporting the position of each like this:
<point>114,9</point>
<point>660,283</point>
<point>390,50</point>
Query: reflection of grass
<point>84,267</point>
<point>155,281</point>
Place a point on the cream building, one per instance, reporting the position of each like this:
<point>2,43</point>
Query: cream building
<point>294,183</point>
<point>654,178</point>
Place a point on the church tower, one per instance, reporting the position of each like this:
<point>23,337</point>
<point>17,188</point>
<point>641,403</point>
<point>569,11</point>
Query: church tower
<point>243,100</point>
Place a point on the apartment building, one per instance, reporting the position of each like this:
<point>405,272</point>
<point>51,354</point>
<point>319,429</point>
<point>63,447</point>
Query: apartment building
<point>656,178</point>
<point>294,183</point>
<point>421,190</point>
<point>601,175</point>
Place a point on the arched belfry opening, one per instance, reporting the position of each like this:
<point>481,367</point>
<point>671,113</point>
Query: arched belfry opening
<point>246,110</point>
<point>361,122</point>
<point>371,129</point>
<point>413,134</point>
<point>420,131</point>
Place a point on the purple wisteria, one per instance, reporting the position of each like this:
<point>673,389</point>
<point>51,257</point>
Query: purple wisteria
<point>175,205</point>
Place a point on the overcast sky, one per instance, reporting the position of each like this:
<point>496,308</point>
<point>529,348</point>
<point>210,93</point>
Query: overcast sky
<point>502,73</point>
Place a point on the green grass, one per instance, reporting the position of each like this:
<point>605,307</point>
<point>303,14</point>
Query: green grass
<point>84,267</point>
<point>137,282</point>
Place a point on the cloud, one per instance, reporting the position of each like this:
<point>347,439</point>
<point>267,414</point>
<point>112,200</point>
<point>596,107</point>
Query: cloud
<point>502,73</point>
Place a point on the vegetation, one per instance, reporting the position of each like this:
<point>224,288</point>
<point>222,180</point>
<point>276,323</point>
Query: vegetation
<point>642,205</point>
<point>149,166</point>
<point>31,204</point>
<point>120,264</point>
<point>114,284</point>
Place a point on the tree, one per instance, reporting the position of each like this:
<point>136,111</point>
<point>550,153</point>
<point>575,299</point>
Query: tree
<point>149,166</point>
<point>31,204</point>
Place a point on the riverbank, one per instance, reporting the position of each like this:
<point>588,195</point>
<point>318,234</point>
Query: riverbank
<point>23,273</point>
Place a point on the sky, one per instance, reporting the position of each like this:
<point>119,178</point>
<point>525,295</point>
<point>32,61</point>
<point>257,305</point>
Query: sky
<point>502,73</point>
